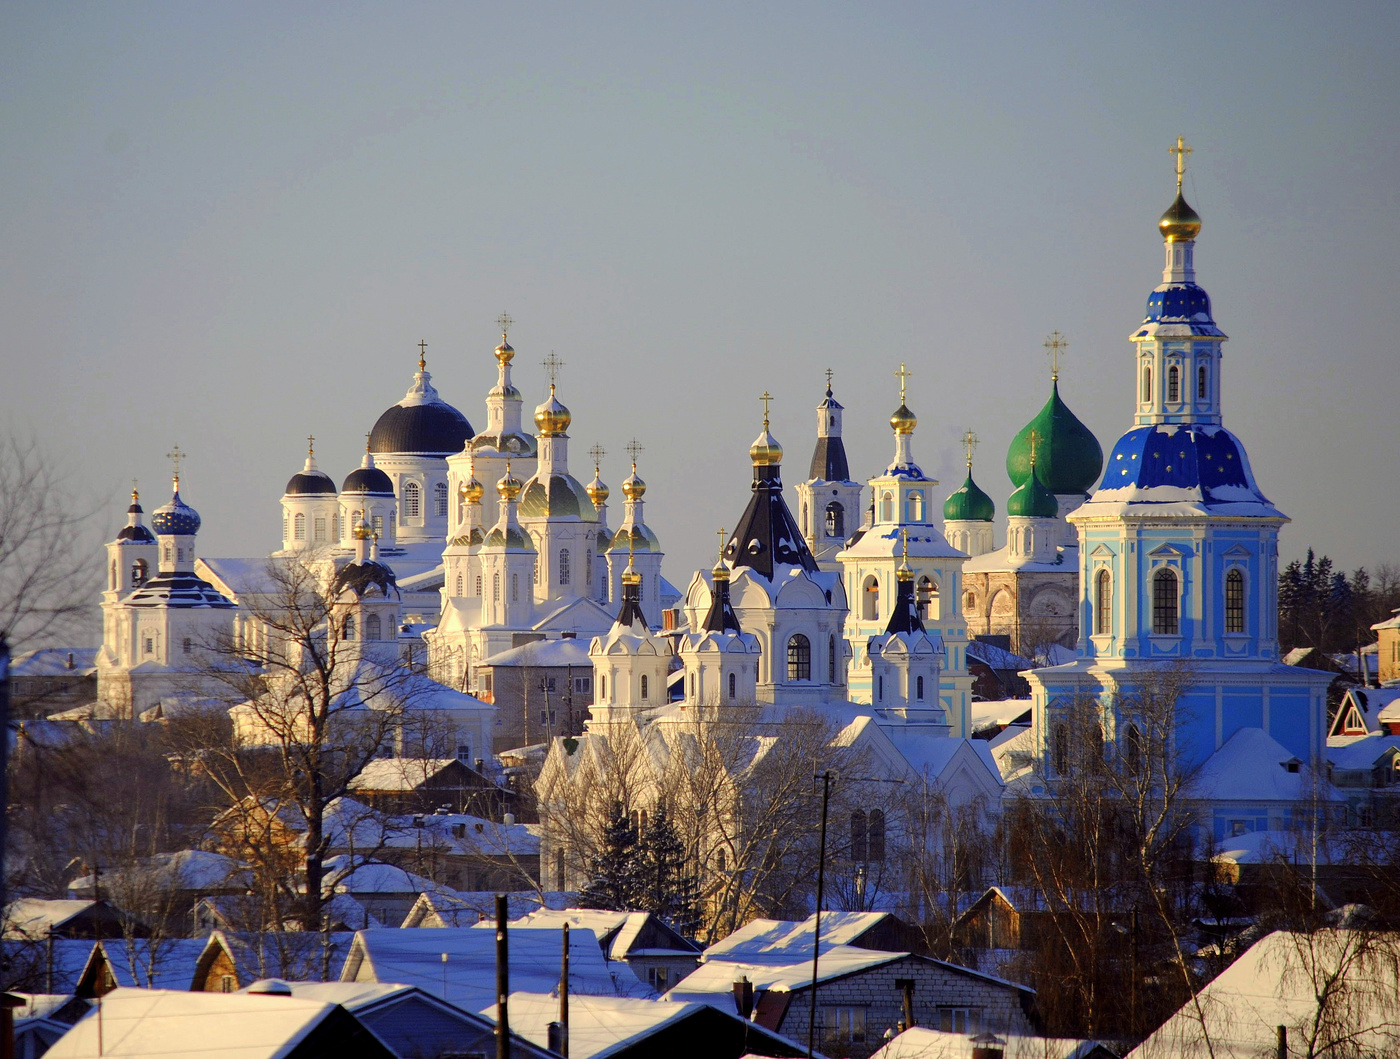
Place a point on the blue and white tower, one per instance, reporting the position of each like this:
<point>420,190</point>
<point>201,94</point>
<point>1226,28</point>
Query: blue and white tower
<point>1178,566</point>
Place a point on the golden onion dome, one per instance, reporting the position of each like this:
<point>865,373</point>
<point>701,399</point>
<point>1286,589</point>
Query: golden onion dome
<point>720,572</point>
<point>473,491</point>
<point>765,450</point>
<point>552,418</point>
<point>361,532</point>
<point>504,352</point>
<point>509,486</point>
<point>903,573</point>
<point>597,491</point>
<point>1180,224</point>
<point>633,488</point>
<point>903,421</point>
<point>630,575</point>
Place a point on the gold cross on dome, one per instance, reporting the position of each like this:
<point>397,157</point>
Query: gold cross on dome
<point>422,354</point>
<point>311,444</point>
<point>829,373</point>
<point>721,533</point>
<point>903,376</point>
<point>504,321</point>
<point>175,456</point>
<point>551,365</point>
<point>367,434</point>
<point>1034,440</point>
<point>904,545</point>
<point>597,452</point>
<point>1055,345</point>
<point>969,442</point>
<point>765,397</point>
<point>634,449</point>
<point>1181,151</point>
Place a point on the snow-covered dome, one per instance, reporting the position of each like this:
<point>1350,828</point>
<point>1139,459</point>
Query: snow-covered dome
<point>175,518</point>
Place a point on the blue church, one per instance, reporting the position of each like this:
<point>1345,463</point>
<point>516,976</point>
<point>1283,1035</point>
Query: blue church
<point>1178,572</point>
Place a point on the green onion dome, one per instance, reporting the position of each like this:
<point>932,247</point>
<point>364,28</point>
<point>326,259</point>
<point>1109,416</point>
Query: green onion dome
<point>1068,456</point>
<point>1033,500</point>
<point>969,503</point>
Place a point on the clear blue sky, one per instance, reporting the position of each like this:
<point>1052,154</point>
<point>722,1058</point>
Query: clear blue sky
<point>228,226</point>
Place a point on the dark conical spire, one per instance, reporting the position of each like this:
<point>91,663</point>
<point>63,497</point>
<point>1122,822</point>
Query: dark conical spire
<point>631,612</point>
<point>905,615</point>
<point>721,616</point>
<point>767,536</point>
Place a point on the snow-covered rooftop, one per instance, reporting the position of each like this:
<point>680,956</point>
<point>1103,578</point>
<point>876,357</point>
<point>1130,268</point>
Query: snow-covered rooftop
<point>922,1043</point>
<point>544,653</point>
<point>1252,767</point>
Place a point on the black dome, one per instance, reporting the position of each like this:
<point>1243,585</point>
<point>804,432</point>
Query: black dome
<point>432,428</point>
<point>368,480</point>
<point>136,533</point>
<point>305,483</point>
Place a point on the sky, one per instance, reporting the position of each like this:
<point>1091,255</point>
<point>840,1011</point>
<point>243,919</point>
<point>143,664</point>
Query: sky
<point>227,226</point>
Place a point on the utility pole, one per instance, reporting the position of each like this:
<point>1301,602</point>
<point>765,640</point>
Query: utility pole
<point>564,996</point>
<point>817,923</point>
<point>502,979</point>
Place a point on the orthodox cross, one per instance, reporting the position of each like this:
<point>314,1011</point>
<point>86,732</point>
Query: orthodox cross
<point>903,376</point>
<point>1055,345</point>
<point>311,444</point>
<point>367,434</point>
<point>551,365</point>
<point>765,397</point>
<point>175,456</point>
<point>634,449</point>
<point>1181,151</point>
<point>904,545</point>
<point>969,442</point>
<point>721,532</point>
<point>829,373</point>
<point>504,321</point>
<point>597,452</point>
<point>1034,439</point>
<point>423,354</point>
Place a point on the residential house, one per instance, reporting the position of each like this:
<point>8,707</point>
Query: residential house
<point>921,1043</point>
<point>1388,648</point>
<point>34,919</point>
<point>233,960</point>
<point>421,785</point>
<point>52,680</point>
<point>657,953</point>
<point>150,963</point>
<point>541,689</point>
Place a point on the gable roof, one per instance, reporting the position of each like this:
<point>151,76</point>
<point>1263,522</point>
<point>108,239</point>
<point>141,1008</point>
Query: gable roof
<point>619,933</point>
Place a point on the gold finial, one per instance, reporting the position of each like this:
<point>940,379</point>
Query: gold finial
<point>765,397</point>
<point>720,572</point>
<point>597,452</point>
<point>311,444</point>
<point>175,456</point>
<point>504,321</point>
<point>969,442</point>
<point>1181,151</point>
<point>423,355</point>
<point>367,434</point>
<point>551,365</point>
<point>903,573</point>
<point>1034,438</point>
<point>135,496</point>
<point>630,575</point>
<point>903,376</point>
<point>634,449</point>
<point>829,373</point>
<point>1055,345</point>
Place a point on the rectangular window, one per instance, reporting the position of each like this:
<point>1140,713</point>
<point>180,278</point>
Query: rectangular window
<point>843,1024</point>
<point>1234,601</point>
<point>960,1020</point>
<point>320,529</point>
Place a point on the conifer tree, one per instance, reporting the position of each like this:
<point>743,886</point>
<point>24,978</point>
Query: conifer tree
<point>614,876</point>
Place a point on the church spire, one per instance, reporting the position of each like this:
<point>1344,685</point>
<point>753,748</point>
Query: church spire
<point>721,615</point>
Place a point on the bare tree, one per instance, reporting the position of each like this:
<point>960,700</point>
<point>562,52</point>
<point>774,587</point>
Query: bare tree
<point>950,849</point>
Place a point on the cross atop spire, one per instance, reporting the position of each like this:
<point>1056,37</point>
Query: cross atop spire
<point>829,373</point>
<point>1034,440</point>
<point>969,442</point>
<point>597,452</point>
<point>175,456</point>
<point>423,354</point>
<point>311,444</point>
<point>765,397</point>
<point>903,376</point>
<point>367,434</point>
<point>503,322</point>
<point>721,533</point>
<point>551,365</point>
<point>634,449</point>
<point>1055,345</point>
<point>1181,150</point>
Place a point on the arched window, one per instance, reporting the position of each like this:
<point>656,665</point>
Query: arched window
<point>870,599</point>
<point>1103,603</point>
<point>859,849</point>
<point>733,687</point>
<point>1202,383</point>
<point>887,508</point>
<point>1173,383</point>
<point>915,507</point>
<point>349,627</point>
<point>459,585</point>
<point>478,585</point>
<point>286,526</point>
<point>831,659</point>
<point>835,520</point>
<point>1165,615</point>
<point>588,566</point>
<point>875,837</point>
<point>1146,383</point>
<point>412,500</point>
<point>927,597</point>
<point>644,687</point>
<point>602,688</point>
<point>1234,601</point>
<point>461,508</point>
<point>495,588</point>
<point>440,500</point>
<point>720,861</point>
<point>515,588</point>
<point>970,603</point>
<point>373,630</point>
<point>799,658</point>
<point>919,695</point>
<point>139,572</point>
<point>377,525</point>
<point>335,526</point>
<point>299,528</point>
<point>1060,749</point>
<point>563,566</point>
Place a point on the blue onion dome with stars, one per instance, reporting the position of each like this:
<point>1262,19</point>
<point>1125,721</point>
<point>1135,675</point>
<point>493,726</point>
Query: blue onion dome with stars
<point>969,503</point>
<point>1032,498</point>
<point>422,423</point>
<point>1069,458</point>
<point>175,518</point>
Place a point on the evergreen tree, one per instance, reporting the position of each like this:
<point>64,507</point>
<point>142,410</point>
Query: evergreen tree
<point>614,876</point>
<point>669,890</point>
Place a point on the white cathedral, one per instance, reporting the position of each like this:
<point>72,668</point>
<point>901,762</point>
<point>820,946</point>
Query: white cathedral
<point>860,604</point>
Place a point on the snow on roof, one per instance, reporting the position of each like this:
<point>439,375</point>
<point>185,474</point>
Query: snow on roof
<point>1362,751</point>
<point>1263,847</point>
<point>624,927</point>
<point>53,662</point>
<point>466,908</point>
<point>39,1005</point>
<point>149,963</point>
<point>783,939</point>
<point>349,995</point>
<point>156,1022</point>
<point>995,712</point>
<point>1250,767</point>
<point>34,917</point>
<point>360,876</point>
<point>921,1043</point>
<point>1276,983</point>
<point>31,960</point>
<point>598,1026</point>
<point>713,981</point>
<point>544,653</point>
<point>413,956</point>
<point>400,773</point>
<point>185,869</point>
<point>996,657</point>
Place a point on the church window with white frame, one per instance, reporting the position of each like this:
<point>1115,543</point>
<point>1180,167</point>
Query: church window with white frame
<point>440,500</point>
<point>1234,600</point>
<point>1173,384</point>
<point>1103,603</point>
<point>563,566</point>
<point>412,500</point>
<point>1166,604</point>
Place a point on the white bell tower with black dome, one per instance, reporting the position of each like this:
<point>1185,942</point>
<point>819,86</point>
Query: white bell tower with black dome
<point>828,502</point>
